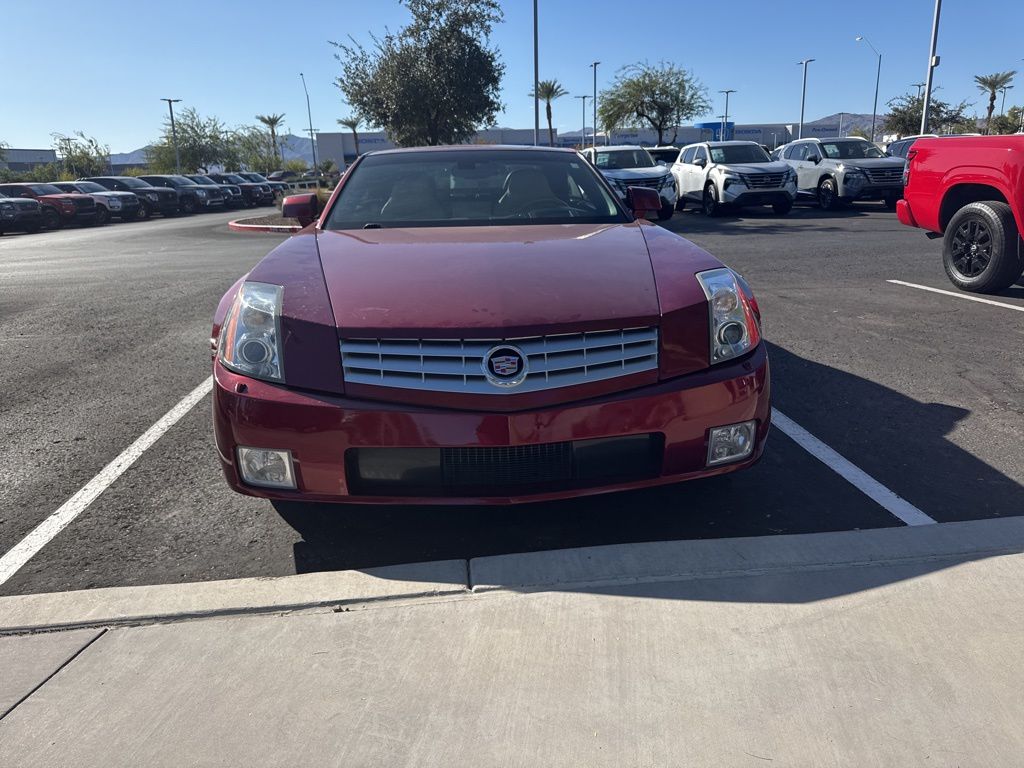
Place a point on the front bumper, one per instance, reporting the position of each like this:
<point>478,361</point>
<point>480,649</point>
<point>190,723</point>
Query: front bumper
<point>318,430</point>
<point>22,221</point>
<point>740,195</point>
<point>870,191</point>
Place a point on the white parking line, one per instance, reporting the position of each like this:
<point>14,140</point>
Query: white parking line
<point>956,295</point>
<point>43,533</point>
<point>853,474</point>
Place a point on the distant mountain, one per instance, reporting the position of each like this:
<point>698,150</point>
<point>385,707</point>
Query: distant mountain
<point>137,157</point>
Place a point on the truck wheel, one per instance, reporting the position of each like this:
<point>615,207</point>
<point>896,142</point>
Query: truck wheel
<point>781,209</point>
<point>144,212</point>
<point>709,202</point>
<point>680,203</point>
<point>51,219</point>
<point>187,206</point>
<point>102,216</point>
<point>828,196</point>
<point>666,212</point>
<point>981,250</point>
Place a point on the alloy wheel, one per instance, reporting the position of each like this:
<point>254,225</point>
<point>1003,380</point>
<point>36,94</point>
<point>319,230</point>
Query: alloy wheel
<point>972,248</point>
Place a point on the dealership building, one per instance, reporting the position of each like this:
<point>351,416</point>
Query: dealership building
<point>340,146</point>
<point>26,159</point>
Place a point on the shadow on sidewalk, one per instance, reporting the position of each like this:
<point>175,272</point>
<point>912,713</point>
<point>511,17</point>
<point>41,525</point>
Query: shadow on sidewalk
<point>897,440</point>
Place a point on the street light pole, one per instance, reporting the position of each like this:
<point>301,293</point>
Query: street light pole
<point>725,118</point>
<point>309,114</point>
<point>919,86</point>
<point>536,80</point>
<point>594,103</point>
<point>803,97</point>
<point>1002,107</point>
<point>878,77</point>
<point>933,62</point>
<point>583,130</point>
<point>174,134</point>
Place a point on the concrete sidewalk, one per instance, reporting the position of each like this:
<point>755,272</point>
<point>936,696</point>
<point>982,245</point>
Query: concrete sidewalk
<point>891,647</point>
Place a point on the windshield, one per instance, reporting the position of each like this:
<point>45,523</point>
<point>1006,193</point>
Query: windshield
<point>46,189</point>
<point>664,155</point>
<point>181,181</point>
<point>850,150</point>
<point>256,177</point>
<point>134,183</point>
<point>203,180</point>
<point>739,153</point>
<point>621,159</point>
<point>471,188</point>
<point>234,178</point>
<point>89,186</point>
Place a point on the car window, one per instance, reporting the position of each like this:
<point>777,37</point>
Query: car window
<point>688,154</point>
<point>701,154</point>
<point>799,152</point>
<point>850,150</point>
<point>471,188</point>
<point>739,153</point>
<point>621,159</point>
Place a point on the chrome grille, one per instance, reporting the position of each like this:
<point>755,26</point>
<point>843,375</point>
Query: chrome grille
<point>457,365</point>
<point>25,205</point>
<point>764,180</point>
<point>658,183</point>
<point>884,175</point>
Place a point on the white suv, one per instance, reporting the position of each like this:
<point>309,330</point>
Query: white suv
<point>629,166</point>
<point>736,173</point>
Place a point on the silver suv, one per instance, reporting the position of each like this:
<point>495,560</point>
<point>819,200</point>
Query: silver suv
<point>736,173</point>
<point>837,171</point>
<point>631,166</point>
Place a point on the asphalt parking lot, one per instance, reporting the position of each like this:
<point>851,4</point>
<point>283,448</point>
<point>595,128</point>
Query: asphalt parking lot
<point>103,331</point>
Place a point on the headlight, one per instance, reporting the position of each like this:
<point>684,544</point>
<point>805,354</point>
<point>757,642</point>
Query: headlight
<point>200,193</point>
<point>249,340</point>
<point>732,179</point>
<point>855,174</point>
<point>6,209</point>
<point>791,176</point>
<point>152,196</point>
<point>114,203</point>
<point>734,329</point>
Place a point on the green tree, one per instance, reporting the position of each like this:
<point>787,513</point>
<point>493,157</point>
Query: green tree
<point>272,122</point>
<point>1008,123</point>
<point>548,91</point>
<point>991,84</point>
<point>202,142</point>
<point>248,147</point>
<point>904,118</point>
<point>83,155</point>
<point>295,165</point>
<point>661,96</point>
<point>435,81</point>
<point>352,123</point>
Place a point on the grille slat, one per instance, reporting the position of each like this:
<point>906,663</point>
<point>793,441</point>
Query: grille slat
<point>884,175</point>
<point>764,180</point>
<point>457,365</point>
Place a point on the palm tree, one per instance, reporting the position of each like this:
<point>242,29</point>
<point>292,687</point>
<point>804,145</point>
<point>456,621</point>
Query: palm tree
<point>352,123</point>
<point>991,84</point>
<point>273,122</point>
<point>548,91</point>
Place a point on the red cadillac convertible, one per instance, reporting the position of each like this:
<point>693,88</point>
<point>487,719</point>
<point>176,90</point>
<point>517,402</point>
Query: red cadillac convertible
<point>484,325</point>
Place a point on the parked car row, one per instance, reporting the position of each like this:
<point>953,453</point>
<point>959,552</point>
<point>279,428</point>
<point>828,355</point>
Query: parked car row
<point>30,206</point>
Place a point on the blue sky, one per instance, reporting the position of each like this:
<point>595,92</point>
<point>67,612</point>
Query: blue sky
<point>235,59</point>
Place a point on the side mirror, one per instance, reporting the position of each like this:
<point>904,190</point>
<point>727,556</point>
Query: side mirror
<point>815,159</point>
<point>642,201</point>
<point>663,164</point>
<point>305,208</point>
<point>700,162</point>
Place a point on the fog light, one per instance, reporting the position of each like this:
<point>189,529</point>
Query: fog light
<point>266,468</point>
<point>731,443</point>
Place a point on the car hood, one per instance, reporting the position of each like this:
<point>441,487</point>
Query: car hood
<point>66,196</point>
<point>627,174</point>
<point>476,281</point>
<point>755,168</point>
<point>874,162</point>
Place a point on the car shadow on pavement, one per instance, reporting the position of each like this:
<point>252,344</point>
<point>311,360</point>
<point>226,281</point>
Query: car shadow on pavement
<point>758,221</point>
<point>899,441</point>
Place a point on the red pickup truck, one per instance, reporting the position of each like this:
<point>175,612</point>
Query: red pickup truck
<point>969,190</point>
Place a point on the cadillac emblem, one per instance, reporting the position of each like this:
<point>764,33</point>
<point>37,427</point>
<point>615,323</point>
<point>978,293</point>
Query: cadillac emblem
<point>505,366</point>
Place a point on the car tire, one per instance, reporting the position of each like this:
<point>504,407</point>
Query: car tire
<point>890,202</point>
<point>666,212</point>
<point>680,203</point>
<point>102,216</point>
<point>144,213</point>
<point>781,209</point>
<point>187,206</point>
<point>982,250</point>
<point>828,195</point>
<point>709,200</point>
<point>51,219</point>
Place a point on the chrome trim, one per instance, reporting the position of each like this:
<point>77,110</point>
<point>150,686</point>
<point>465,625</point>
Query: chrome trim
<point>457,365</point>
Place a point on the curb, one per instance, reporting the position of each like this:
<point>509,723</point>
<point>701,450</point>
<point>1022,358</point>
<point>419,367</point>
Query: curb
<point>564,570</point>
<point>238,225</point>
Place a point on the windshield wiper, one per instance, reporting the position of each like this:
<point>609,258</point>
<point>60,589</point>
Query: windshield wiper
<point>372,225</point>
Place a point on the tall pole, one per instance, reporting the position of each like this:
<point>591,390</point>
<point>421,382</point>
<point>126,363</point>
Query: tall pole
<point>919,86</point>
<point>878,77</point>
<point>803,97</point>
<point>725,117</point>
<point>309,114</point>
<point>933,62</point>
<point>536,80</point>
<point>174,134</point>
<point>841,116</point>
<point>1002,107</point>
<point>594,102</point>
<point>583,130</point>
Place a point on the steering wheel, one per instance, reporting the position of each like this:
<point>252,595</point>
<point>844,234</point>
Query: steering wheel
<point>541,204</point>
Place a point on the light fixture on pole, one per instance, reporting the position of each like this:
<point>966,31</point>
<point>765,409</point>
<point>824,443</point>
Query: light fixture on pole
<point>878,77</point>
<point>594,65</point>
<point>919,86</point>
<point>536,80</point>
<point>583,130</point>
<point>1002,107</point>
<point>803,96</point>
<point>933,62</point>
<point>309,114</point>
<point>174,134</point>
<point>725,118</point>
